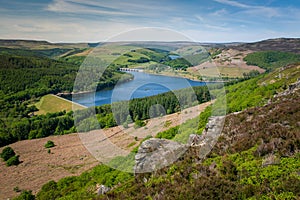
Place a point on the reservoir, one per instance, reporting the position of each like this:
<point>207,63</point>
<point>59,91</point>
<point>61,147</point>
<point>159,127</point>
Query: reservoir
<point>142,85</point>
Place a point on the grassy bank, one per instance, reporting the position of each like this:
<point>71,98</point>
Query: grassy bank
<point>51,104</point>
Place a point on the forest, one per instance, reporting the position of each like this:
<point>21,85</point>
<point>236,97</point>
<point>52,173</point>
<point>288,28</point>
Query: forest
<point>269,60</point>
<point>25,77</point>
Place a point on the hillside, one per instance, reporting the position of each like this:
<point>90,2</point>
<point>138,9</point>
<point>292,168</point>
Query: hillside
<point>70,156</point>
<point>257,152</point>
<point>34,44</point>
<point>256,156</point>
<point>279,44</point>
<point>229,63</point>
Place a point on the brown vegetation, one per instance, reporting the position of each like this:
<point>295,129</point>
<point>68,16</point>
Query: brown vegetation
<point>69,157</point>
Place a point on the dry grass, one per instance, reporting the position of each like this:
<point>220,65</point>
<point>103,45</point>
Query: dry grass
<point>229,63</point>
<point>106,144</point>
<point>84,53</point>
<point>68,158</point>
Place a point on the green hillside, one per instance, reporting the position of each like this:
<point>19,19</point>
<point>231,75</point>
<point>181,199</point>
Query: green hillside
<point>271,59</point>
<point>247,164</point>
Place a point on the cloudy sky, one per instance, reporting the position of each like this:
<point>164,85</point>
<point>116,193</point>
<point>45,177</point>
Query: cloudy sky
<point>98,20</point>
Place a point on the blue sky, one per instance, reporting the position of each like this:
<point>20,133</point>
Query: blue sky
<point>201,20</point>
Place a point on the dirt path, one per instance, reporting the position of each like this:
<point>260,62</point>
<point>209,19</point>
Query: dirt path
<point>74,153</point>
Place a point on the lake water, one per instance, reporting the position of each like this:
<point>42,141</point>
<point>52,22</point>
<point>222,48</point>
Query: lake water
<point>142,85</point>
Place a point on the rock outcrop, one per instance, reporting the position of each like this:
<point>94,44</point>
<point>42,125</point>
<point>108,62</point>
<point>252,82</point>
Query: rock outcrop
<point>102,189</point>
<point>209,137</point>
<point>291,89</point>
<point>154,154</point>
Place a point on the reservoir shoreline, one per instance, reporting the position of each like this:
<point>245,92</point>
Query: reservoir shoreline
<point>142,85</point>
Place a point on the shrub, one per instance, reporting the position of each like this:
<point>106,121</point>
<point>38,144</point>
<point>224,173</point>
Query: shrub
<point>7,153</point>
<point>125,125</point>
<point>25,195</point>
<point>168,134</point>
<point>139,123</point>
<point>17,189</point>
<point>49,144</point>
<point>13,161</point>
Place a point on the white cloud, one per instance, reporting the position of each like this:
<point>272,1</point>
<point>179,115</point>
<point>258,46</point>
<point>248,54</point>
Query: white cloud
<point>86,7</point>
<point>219,28</point>
<point>200,18</point>
<point>112,8</point>
<point>208,23</point>
<point>62,30</point>
<point>220,13</point>
<point>92,21</point>
<point>252,10</point>
<point>233,3</point>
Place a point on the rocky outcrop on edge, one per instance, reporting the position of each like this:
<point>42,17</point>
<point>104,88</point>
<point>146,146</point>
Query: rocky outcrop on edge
<point>102,189</point>
<point>154,154</point>
<point>209,137</point>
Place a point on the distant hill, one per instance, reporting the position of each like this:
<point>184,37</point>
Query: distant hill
<point>279,44</point>
<point>35,44</point>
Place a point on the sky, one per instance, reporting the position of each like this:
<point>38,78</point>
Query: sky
<point>101,20</point>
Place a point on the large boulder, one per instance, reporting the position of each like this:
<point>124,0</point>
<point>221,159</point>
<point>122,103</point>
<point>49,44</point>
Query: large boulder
<point>154,154</point>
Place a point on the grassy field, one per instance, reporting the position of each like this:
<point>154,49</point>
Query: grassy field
<point>224,71</point>
<point>109,53</point>
<point>51,103</point>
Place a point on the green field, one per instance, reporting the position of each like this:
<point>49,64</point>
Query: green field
<point>51,103</point>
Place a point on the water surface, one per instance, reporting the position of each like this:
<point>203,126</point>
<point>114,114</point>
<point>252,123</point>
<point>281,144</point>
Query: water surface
<point>142,85</point>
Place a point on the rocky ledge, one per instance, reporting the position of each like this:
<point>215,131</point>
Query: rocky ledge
<point>154,154</point>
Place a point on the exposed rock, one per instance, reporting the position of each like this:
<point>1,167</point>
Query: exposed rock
<point>102,189</point>
<point>294,85</point>
<point>213,166</point>
<point>154,154</point>
<point>291,89</point>
<point>145,180</point>
<point>210,133</point>
<point>195,139</point>
<point>270,160</point>
<point>209,136</point>
<point>214,126</point>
